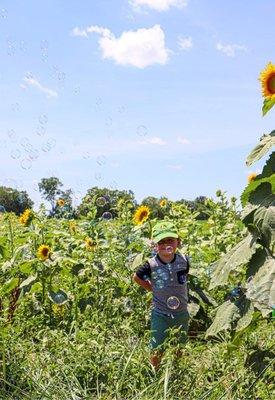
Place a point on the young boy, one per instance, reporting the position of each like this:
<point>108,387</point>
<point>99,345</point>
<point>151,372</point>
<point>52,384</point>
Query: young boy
<point>166,276</point>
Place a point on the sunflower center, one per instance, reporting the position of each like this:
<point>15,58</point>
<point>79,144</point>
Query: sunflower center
<point>271,83</point>
<point>143,214</point>
<point>45,252</point>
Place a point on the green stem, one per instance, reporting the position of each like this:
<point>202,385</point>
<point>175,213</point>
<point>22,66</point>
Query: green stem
<point>11,236</point>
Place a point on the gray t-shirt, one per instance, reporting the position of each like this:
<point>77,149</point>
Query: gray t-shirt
<point>169,283</point>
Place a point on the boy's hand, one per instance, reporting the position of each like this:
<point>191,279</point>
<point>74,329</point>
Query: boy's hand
<point>145,284</point>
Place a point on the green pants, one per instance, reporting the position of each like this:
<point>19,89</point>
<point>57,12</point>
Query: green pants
<point>160,324</point>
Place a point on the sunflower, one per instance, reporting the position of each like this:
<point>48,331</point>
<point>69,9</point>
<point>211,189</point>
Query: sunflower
<point>251,177</point>
<point>43,252</point>
<point>141,215</point>
<point>26,217</point>
<point>163,203</point>
<point>60,202</point>
<point>90,244</point>
<point>267,79</point>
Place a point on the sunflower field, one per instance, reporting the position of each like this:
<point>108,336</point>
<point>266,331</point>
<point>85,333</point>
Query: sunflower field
<point>75,326</point>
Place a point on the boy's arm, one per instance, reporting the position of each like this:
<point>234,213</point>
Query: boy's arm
<point>145,284</point>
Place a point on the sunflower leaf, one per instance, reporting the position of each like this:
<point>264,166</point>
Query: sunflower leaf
<point>267,105</point>
<point>238,255</point>
<point>227,314</point>
<point>266,142</point>
<point>261,287</point>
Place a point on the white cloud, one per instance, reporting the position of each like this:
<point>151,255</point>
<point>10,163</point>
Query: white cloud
<point>230,49</point>
<point>154,140</point>
<point>139,48</point>
<point>183,140</point>
<point>158,5</point>
<point>31,81</point>
<point>175,166</point>
<point>185,43</point>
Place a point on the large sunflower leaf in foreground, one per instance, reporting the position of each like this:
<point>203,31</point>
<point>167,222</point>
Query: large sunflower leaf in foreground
<point>261,287</point>
<point>237,256</point>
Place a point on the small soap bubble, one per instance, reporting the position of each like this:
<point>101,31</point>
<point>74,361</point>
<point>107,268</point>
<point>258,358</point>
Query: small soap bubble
<point>40,130</point>
<point>29,75</point>
<point>76,89</point>
<point>15,154</point>
<point>12,135</point>
<point>164,275</point>
<point>15,107</point>
<point>101,160</point>
<point>2,209</point>
<point>154,275</point>
<point>98,101</point>
<point>23,46</point>
<point>98,176</point>
<point>107,215</point>
<point>10,47</point>
<point>61,76</point>
<point>169,249</point>
<point>26,164</point>
<point>43,119</point>
<point>142,130</point>
<point>100,202</point>
<point>33,154</point>
<point>159,284</point>
<point>25,142</point>
<point>44,46</point>
<point>108,121</point>
<point>173,302</point>
<point>51,142</point>
<point>86,155</point>
<point>121,109</point>
<point>46,147</point>
<point>3,13</point>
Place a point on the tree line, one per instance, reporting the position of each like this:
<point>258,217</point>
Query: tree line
<point>106,201</point>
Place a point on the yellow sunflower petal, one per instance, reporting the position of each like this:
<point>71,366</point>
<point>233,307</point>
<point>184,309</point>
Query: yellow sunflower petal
<point>267,79</point>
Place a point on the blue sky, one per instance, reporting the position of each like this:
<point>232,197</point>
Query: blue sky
<point>157,96</point>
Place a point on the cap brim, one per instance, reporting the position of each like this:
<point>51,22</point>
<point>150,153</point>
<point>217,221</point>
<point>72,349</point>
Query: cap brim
<point>164,235</point>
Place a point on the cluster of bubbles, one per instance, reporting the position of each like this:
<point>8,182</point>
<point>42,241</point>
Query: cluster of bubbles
<point>161,278</point>
<point>173,302</point>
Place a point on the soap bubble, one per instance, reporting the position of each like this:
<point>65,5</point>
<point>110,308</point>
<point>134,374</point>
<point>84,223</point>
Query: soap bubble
<point>33,154</point>
<point>24,142</point>
<point>154,275</point>
<point>108,121</point>
<point>86,155</point>
<point>76,89</point>
<point>101,160</point>
<point>3,13</point>
<point>23,46</point>
<point>113,185</point>
<point>98,176</point>
<point>2,209</point>
<point>43,119</point>
<point>15,107</point>
<point>173,302</point>
<point>44,45</point>
<point>159,284</point>
<point>26,164</point>
<point>12,135</point>
<point>142,130</point>
<point>15,154</point>
<point>169,249</point>
<point>40,130</point>
<point>100,202</point>
<point>164,275</point>
<point>107,215</point>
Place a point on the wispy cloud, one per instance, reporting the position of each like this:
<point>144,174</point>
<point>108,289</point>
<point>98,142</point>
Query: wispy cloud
<point>183,140</point>
<point>32,81</point>
<point>185,43</point>
<point>154,140</point>
<point>230,49</point>
<point>175,166</point>
<point>139,48</point>
<point>158,5</point>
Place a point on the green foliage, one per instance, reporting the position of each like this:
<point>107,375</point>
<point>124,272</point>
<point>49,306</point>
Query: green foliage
<point>98,201</point>
<point>12,200</point>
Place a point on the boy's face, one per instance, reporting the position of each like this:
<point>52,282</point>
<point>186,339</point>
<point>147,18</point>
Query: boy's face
<point>167,247</point>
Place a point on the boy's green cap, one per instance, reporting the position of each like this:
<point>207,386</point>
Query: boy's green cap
<point>163,230</point>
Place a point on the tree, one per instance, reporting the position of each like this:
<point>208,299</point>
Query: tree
<point>105,200</point>
<point>12,200</point>
<point>50,189</point>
